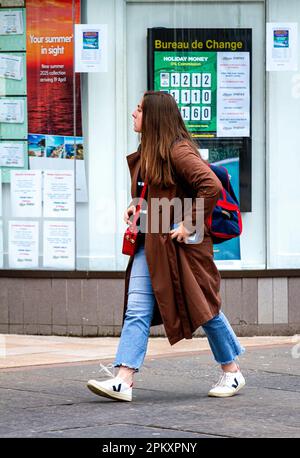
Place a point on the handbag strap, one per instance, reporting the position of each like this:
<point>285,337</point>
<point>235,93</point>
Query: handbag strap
<point>138,207</point>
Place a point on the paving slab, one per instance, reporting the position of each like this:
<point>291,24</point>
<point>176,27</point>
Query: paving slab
<point>25,350</point>
<point>170,400</point>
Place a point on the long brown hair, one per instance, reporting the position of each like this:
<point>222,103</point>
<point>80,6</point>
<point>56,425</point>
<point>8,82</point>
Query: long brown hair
<point>162,125</point>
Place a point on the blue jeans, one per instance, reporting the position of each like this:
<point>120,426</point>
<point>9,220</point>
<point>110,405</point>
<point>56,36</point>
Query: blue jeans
<point>136,329</point>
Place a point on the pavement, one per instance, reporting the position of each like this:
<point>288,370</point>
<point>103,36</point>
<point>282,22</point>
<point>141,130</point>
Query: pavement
<point>43,390</point>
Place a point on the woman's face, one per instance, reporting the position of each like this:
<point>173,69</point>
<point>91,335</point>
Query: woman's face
<point>137,117</point>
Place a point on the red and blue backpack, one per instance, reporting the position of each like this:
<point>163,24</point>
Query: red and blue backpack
<point>225,222</point>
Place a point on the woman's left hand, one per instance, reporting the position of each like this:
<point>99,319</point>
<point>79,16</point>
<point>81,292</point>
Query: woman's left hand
<point>180,233</point>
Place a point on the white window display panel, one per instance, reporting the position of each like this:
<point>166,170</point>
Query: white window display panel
<point>175,79</point>
<point>23,244</point>
<point>195,96</point>
<point>206,80</point>
<point>59,244</point>
<point>165,79</point>
<point>59,193</point>
<point>176,94</point>
<point>283,217</point>
<point>206,113</point>
<point>26,193</point>
<point>185,96</point>
<point>99,224</point>
<point>206,96</point>
<point>196,79</point>
<point>196,114</point>
<point>185,79</point>
<point>185,113</point>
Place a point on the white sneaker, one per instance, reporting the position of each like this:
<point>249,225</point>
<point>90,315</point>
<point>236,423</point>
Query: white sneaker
<point>114,388</point>
<point>228,384</point>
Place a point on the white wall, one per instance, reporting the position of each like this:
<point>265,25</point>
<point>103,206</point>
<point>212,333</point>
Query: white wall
<point>283,140</point>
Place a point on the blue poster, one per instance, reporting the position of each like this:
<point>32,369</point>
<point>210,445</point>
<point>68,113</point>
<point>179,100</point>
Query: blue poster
<point>90,40</point>
<point>230,249</point>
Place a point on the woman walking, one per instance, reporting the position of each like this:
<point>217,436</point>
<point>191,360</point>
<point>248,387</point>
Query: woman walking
<point>170,280</point>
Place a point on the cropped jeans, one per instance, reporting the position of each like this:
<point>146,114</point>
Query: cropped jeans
<point>136,329</point>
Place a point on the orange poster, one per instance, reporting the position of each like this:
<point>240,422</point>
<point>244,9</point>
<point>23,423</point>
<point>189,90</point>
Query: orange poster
<point>50,68</point>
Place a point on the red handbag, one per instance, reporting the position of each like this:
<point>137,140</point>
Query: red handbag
<point>130,239</point>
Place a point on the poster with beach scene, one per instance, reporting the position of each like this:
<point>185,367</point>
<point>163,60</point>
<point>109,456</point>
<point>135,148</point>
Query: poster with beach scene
<point>72,143</point>
<point>36,145</point>
<point>53,152</point>
<point>79,149</point>
<point>55,147</point>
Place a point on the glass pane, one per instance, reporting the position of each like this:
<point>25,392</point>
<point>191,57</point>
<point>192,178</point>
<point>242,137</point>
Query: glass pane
<point>209,51</point>
<point>39,134</point>
<point>64,142</point>
<point>283,135</point>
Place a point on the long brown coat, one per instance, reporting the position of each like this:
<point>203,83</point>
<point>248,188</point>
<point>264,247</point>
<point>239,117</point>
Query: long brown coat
<point>184,277</point>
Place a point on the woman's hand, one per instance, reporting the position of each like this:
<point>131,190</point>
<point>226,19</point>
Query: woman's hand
<point>180,233</point>
<point>128,213</point>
